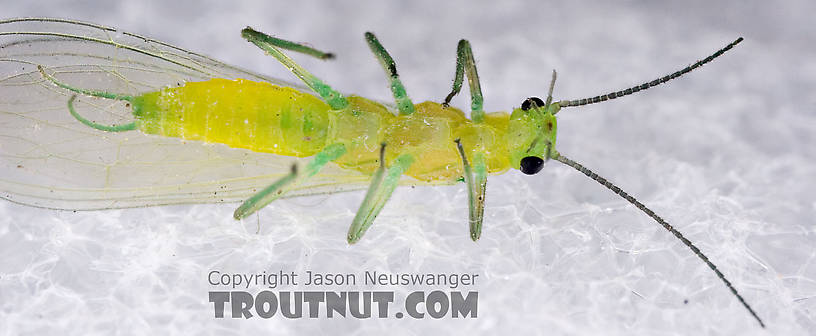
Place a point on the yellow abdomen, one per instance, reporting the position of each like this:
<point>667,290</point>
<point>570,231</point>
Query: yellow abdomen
<point>239,113</point>
<point>263,117</point>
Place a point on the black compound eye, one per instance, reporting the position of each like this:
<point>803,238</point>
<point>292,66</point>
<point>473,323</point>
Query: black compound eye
<point>531,165</point>
<point>528,103</point>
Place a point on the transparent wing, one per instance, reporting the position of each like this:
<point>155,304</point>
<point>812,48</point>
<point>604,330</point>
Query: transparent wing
<point>48,159</point>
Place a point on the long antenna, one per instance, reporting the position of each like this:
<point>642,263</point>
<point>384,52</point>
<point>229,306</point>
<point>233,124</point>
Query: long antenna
<point>563,159</point>
<point>549,92</point>
<point>644,86</point>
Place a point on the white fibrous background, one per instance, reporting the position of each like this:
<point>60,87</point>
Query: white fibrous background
<point>725,154</point>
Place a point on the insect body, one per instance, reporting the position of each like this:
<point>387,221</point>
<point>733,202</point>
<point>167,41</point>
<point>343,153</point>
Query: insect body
<point>430,143</point>
<point>266,118</point>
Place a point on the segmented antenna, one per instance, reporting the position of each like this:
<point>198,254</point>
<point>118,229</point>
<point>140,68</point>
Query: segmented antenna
<point>563,159</point>
<point>644,86</point>
<point>550,91</point>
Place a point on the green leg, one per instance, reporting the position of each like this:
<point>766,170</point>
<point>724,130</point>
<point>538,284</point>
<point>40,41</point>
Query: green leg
<point>118,128</point>
<point>284,44</point>
<point>404,104</point>
<point>465,63</point>
<point>383,183</point>
<point>286,183</point>
<point>476,179</point>
<point>271,45</point>
<point>93,93</point>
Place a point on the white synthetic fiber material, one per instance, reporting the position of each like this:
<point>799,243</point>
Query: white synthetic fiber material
<point>724,154</point>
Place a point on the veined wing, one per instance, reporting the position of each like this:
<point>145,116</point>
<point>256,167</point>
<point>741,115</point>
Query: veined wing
<point>49,159</point>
